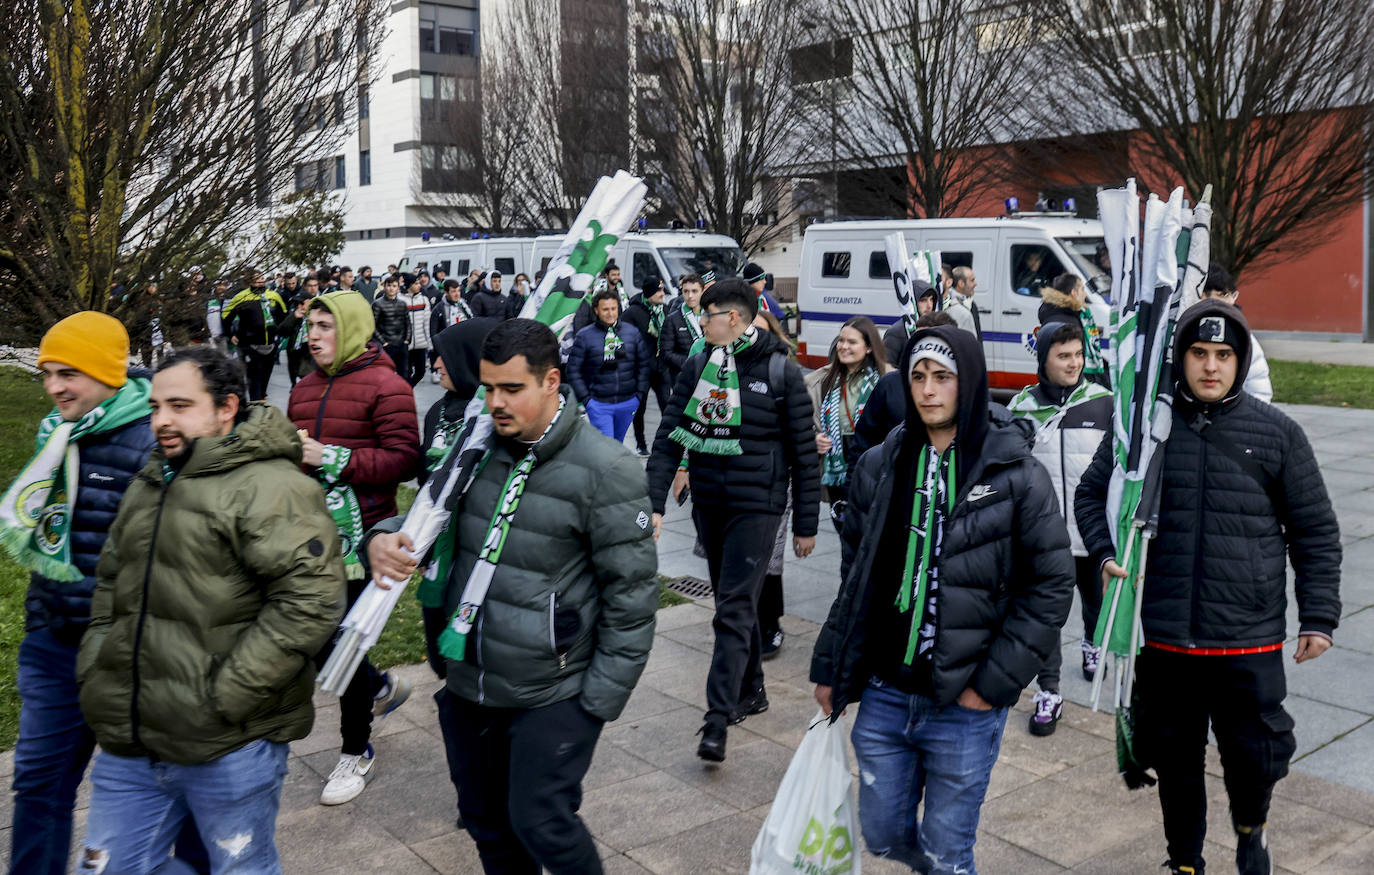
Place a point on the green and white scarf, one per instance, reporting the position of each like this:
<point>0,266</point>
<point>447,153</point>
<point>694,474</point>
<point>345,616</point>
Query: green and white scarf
<point>657,313</point>
<point>343,505</point>
<point>453,640</point>
<point>268,320</point>
<point>612,345</point>
<point>1092,343</point>
<point>693,322</point>
<point>711,421</point>
<point>932,501</point>
<point>834,470</point>
<point>430,592</point>
<point>36,511</point>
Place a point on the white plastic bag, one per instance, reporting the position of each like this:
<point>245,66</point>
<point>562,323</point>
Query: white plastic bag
<point>813,827</point>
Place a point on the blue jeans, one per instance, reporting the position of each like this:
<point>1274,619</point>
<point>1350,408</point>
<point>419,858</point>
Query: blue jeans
<point>138,806</point>
<point>612,420</point>
<point>50,757</point>
<point>907,747</point>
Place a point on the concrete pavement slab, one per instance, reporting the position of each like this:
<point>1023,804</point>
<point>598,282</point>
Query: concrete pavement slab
<point>647,809</point>
<point>1345,760</point>
<point>1319,723</point>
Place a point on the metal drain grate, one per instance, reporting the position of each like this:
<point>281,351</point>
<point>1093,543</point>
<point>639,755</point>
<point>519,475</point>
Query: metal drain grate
<point>692,587</point>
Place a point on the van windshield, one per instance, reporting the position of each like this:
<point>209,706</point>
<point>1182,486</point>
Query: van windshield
<point>1089,255</point>
<point>724,260</point>
<point>404,265</point>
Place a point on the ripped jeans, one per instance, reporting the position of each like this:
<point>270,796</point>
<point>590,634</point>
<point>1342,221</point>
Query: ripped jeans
<point>908,747</point>
<point>137,807</point>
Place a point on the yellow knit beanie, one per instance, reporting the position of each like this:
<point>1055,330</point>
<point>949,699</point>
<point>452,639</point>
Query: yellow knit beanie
<point>94,343</point>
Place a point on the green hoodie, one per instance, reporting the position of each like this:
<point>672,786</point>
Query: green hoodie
<point>353,325</point>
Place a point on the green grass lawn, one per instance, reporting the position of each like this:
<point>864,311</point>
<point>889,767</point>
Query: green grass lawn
<point>1329,385</point>
<point>22,404</point>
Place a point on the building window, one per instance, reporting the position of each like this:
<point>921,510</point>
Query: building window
<point>447,30</point>
<point>364,109</point>
<point>364,167</point>
<point>340,172</point>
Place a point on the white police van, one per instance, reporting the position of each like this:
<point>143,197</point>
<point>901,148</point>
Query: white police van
<point>844,273</point>
<point>667,255</point>
<point>509,255</point>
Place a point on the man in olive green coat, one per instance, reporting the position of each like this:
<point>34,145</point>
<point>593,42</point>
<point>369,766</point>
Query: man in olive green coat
<point>220,579</point>
<point>549,648</point>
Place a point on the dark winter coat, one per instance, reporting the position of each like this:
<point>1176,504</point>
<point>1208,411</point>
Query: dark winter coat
<point>884,411</point>
<point>1006,574</point>
<point>675,341</point>
<point>243,317</point>
<point>460,348</point>
<point>777,440</point>
<point>109,462</point>
<point>1216,573</point>
<point>638,315</point>
<point>393,321</point>
<point>570,611</point>
<point>608,382</point>
<point>485,302</point>
<point>216,590</point>
<point>369,408</point>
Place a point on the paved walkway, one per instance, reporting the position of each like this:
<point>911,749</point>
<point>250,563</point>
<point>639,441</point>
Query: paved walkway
<point>1325,351</point>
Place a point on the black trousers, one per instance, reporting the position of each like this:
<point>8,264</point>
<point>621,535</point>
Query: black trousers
<point>259,369</point>
<point>661,392</point>
<point>1177,695</point>
<point>417,364</point>
<point>399,357</point>
<point>355,705</point>
<point>1089,581</point>
<point>519,779</point>
<point>296,360</point>
<point>738,547</point>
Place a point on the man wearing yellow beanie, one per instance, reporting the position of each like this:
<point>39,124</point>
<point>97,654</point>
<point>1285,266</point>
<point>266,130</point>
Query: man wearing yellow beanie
<point>53,520</point>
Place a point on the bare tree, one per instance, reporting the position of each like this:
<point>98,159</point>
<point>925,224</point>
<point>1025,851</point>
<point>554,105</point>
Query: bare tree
<point>726,113</point>
<point>1269,101</point>
<point>936,83</point>
<point>138,133</point>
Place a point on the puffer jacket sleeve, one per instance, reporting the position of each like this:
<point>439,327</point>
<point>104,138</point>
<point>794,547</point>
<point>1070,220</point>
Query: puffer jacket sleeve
<point>799,443</point>
<point>1314,538</point>
<point>884,410</point>
<point>642,364</point>
<point>667,454</point>
<point>102,603</point>
<point>397,456</point>
<point>1041,591</point>
<point>625,564</point>
<point>826,656</point>
<point>577,360</point>
<point>674,353</point>
<point>291,544</point>
<point>1090,504</point>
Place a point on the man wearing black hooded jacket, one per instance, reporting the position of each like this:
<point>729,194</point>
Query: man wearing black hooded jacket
<point>957,577</point>
<point>1241,490</point>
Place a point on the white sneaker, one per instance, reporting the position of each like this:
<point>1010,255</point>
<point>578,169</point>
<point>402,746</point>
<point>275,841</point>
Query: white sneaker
<point>349,778</point>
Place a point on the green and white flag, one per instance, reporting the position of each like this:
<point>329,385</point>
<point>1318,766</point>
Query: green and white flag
<point>907,267</point>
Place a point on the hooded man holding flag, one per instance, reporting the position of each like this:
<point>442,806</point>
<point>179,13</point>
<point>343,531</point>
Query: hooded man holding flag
<point>1241,494</point>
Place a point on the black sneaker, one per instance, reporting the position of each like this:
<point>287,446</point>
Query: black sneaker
<point>712,747</point>
<point>1176,869</point>
<point>643,451</point>
<point>755,703</point>
<point>772,643</point>
<point>1252,851</point>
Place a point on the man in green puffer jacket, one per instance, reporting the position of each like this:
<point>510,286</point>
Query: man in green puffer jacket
<point>220,580</point>
<point>551,650</point>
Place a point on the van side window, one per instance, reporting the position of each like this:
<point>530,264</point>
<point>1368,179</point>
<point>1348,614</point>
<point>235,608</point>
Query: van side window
<point>1032,268</point>
<point>544,264</point>
<point>441,265</point>
<point>506,266</point>
<point>644,268</point>
<point>878,268</point>
<point>462,268</point>
<point>956,259</point>
<point>835,264</point>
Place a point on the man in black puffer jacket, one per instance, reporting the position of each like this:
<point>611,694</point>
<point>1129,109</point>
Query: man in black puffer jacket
<point>1241,489</point>
<point>957,578</point>
<point>743,412</point>
<point>393,321</point>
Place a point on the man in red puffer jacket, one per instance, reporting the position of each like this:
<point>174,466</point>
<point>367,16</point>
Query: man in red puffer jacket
<point>360,438</point>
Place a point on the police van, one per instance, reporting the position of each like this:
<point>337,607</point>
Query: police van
<point>844,272</point>
<point>665,254</point>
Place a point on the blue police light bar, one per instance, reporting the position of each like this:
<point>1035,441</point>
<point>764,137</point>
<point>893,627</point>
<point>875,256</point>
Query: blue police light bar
<point>486,236</point>
<point>701,224</point>
<point>1070,205</point>
<point>424,236</point>
<point>1012,204</point>
<point>474,236</point>
<point>643,223</point>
